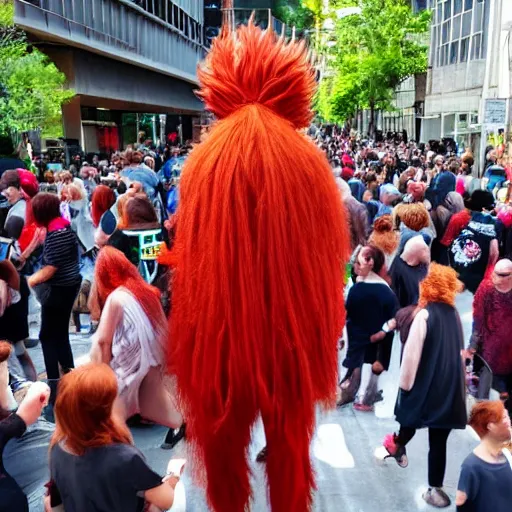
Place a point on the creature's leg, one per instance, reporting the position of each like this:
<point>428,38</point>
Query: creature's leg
<point>226,463</point>
<point>289,469</point>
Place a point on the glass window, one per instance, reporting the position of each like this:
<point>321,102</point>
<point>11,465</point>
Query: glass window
<point>444,55</point>
<point>464,49</point>
<point>446,31</point>
<point>454,52</point>
<point>439,12</point>
<point>475,49</point>
<point>468,5</point>
<point>457,6</point>
<point>456,27</point>
<point>466,24</point>
<point>479,14</point>
<point>447,9</point>
<point>438,57</point>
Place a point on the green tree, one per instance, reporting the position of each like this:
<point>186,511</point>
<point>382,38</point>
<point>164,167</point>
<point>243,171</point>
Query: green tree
<point>373,52</point>
<point>32,89</point>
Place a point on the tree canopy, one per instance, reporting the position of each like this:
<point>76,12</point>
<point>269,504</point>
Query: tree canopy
<point>369,55</point>
<point>32,89</point>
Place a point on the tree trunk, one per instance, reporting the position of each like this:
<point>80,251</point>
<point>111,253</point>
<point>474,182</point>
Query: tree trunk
<point>371,126</point>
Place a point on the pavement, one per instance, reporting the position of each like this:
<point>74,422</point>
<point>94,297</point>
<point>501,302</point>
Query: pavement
<point>350,477</point>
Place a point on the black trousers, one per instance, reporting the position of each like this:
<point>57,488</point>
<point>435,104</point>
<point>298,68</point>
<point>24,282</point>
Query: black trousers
<point>13,498</point>
<point>437,439</point>
<point>54,333</point>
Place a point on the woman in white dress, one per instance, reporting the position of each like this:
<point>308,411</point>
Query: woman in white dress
<point>130,338</point>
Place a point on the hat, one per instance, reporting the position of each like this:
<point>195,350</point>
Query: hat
<point>347,173</point>
<point>28,182</point>
<point>10,179</point>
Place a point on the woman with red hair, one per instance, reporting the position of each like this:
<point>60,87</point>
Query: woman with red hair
<point>432,387</point>
<point>93,463</point>
<point>131,339</point>
<point>485,481</point>
<point>103,198</point>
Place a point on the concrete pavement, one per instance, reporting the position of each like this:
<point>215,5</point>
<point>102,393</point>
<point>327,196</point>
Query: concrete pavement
<point>349,476</point>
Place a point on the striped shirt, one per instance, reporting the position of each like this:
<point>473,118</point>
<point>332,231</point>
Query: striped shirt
<point>61,251</point>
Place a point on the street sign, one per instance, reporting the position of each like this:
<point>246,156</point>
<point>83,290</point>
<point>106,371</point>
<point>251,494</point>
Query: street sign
<point>495,112</point>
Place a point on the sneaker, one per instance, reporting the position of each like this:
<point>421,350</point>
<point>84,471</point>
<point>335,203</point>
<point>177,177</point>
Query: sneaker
<point>173,437</point>
<point>436,497</point>
<point>262,456</point>
<point>395,451</point>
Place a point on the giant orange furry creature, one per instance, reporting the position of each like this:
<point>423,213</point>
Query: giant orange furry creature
<point>259,254</point>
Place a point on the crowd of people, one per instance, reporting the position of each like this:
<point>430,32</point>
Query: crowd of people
<point>423,228</point>
<point>246,264</point>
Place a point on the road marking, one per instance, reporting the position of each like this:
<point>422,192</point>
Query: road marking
<point>329,446</point>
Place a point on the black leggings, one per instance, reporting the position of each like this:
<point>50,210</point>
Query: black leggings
<point>54,333</point>
<point>437,439</point>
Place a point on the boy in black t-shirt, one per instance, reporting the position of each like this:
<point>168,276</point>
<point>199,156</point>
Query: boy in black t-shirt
<point>486,475</point>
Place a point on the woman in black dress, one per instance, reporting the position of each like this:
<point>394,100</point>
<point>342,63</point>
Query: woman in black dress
<point>432,388</point>
<point>371,293</point>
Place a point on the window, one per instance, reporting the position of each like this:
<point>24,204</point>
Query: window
<point>456,27</point>
<point>479,15</point>
<point>466,24</point>
<point>454,52</point>
<point>446,31</point>
<point>464,49</point>
<point>439,12</point>
<point>477,43</point>
<point>468,5</point>
<point>457,6</point>
<point>447,9</point>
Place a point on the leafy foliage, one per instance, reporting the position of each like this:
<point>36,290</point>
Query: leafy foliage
<point>32,89</point>
<point>371,54</point>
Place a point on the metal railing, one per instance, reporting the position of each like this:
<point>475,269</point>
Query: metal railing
<point>165,39</point>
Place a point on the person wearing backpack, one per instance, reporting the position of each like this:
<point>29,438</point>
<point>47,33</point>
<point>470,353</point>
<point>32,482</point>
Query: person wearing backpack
<point>472,239</point>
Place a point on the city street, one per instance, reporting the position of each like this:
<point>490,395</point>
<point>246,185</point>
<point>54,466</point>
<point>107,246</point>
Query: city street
<point>349,476</point>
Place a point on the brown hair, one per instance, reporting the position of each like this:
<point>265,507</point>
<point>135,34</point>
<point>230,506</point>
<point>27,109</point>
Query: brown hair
<point>139,211</point>
<point>383,235</point>
<point>83,410</point>
<point>45,208</point>
<point>415,216</point>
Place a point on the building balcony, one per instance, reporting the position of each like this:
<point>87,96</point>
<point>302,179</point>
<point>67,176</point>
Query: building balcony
<point>159,35</point>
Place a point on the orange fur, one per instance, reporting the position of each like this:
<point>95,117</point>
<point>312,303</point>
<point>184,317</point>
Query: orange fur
<point>440,285</point>
<point>257,295</point>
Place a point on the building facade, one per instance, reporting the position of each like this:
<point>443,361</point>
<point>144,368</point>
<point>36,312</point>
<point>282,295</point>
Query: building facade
<point>119,56</point>
<point>469,64</point>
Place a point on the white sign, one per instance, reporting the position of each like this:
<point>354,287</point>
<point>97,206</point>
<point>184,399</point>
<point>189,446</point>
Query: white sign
<point>495,112</point>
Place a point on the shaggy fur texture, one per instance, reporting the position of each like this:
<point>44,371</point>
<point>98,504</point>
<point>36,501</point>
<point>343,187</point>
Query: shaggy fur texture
<point>440,285</point>
<point>257,296</point>
<point>383,235</point>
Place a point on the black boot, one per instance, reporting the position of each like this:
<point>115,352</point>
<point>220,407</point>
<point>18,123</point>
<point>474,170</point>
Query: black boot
<point>48,413</point>
<point>173,437</point>
<point>76,321</point>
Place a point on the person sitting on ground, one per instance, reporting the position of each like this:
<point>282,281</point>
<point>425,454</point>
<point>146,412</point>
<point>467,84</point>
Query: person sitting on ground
<point>91,444</point>
<point>14,425</point>
<point>485,481</point>
<point>130,338</point>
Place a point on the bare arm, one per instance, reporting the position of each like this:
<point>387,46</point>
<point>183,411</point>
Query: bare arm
<point>413,350</point>
<point>163,495</point>
<point>111,316</point>
<point>41,276</point>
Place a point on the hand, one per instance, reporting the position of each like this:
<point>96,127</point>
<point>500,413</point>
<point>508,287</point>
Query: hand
<point>31,281</point>
<point>467,353</point>
<point>36,398</point>
<point>378,336</point>
<point>172,480</point>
